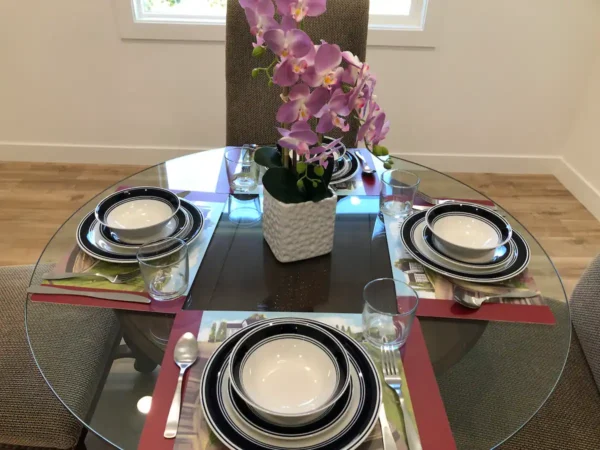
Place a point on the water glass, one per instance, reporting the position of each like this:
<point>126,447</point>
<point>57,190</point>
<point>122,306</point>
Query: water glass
<point>242,171</point>
<point>388,313</point>
<point>165,268</point>
<point>398,190</point>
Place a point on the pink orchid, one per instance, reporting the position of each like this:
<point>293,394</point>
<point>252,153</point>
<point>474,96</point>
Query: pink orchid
<point>288,72</point>
<point>326,70</point>
<point>259,14</point>
<point>299,9</point>
<point>331,114</point>
<point>302,104</point>
<point>375,127</point>
<point>291,43</point>
<point>299,138</point>
<point>322,153</point>
<point>360,96</point>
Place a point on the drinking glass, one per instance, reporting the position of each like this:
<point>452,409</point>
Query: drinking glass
<point>245,209</point>
<point>388,314</point>
<point>165,268</point>
<point>398,189</point>
<point>242,171</point>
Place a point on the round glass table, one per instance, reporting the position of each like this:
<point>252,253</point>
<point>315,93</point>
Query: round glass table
<point>103,363</point>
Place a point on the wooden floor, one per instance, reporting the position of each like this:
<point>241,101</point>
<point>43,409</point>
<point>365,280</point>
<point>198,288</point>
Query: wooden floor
<point>36,198</point>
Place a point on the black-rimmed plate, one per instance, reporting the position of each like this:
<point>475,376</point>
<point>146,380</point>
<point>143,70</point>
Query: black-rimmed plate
<point>226,425</point>
<point>354,166</point>
<point>514,268</point>
<point>90,241</point>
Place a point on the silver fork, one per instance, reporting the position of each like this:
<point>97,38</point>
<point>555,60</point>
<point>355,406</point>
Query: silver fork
<point>115,279</point>
<point>392,378</point>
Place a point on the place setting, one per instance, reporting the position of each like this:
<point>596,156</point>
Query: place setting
<point>135,250</point>
<point>461,251</point>
<point>298,380</point>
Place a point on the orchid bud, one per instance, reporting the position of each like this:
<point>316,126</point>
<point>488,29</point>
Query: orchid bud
<point>270,83</point>
<point>301,167</point>
<point>300,184</point>
<point>315,184</point>
<point>380,150</point>
<point>258,51</point>
<point>319,171</point>
<point>255,72</point>
<point>387,165</point>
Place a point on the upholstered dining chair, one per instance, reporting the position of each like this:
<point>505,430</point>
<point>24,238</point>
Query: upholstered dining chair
<point>251,104</point>
<point>31,417</point>
<point>570,417</point>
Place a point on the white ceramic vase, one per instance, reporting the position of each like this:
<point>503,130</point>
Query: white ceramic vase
<point>298,231</point>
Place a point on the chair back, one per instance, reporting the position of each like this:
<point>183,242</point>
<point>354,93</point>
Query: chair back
<point>251,104</point>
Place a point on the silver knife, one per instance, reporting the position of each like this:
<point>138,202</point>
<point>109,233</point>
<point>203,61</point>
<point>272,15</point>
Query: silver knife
<point>117,296</point>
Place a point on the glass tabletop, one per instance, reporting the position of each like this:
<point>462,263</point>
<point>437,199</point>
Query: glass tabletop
<point>103,364</point>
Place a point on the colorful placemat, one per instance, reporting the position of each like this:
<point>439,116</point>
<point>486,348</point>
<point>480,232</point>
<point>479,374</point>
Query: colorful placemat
<point>420,388</point>
<point>436,292</point>
<point>76,260</point>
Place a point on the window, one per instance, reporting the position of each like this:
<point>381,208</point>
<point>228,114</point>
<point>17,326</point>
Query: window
<point>392,22</point>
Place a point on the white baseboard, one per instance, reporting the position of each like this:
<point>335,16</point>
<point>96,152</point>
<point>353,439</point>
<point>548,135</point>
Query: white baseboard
<point>485,163</point>
<point>582,189</point>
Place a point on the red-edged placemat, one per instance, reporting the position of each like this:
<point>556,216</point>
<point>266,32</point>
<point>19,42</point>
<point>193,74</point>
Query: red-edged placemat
<point>436,292</point>
<point>76,260</point>
<point>420,387</point>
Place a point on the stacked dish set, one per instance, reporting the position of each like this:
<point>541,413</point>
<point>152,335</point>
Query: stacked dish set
<point>465,241</point>
<point>290,383</point>
<point>128,219</point>
<point>346,165</point>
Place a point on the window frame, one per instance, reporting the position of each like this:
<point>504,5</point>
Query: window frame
<point>411,34</point>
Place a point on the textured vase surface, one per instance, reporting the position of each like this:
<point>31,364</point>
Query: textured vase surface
<point>297,231</point>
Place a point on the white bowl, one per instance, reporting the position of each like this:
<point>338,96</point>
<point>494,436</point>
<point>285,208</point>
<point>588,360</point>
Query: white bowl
<point>137,215</point>
<point>467,232</point>
<point>289,372</point>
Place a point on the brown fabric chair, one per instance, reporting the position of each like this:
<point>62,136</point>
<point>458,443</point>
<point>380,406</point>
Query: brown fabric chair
<point>31,417</point>
<point>251,104</point>
<point>570,419</point>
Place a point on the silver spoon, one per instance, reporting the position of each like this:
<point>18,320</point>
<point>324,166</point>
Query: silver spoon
<point>185,354</point>
<point>475,302</point>
<point>366,168</point>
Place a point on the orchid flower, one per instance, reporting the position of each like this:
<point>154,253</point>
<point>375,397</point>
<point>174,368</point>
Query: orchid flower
<point>302,104</point>
<point>259,14</point>
<point>291,43</point>
<point>288,72</point>
<point>299,9</point>
<point>331,114</point>
<point>299,138</point>
<point>321,153</point>
<point>375,127</point>
<point>326,70</point>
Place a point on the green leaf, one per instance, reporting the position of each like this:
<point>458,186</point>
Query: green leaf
<point>268,157</point>
<point>282,185</point>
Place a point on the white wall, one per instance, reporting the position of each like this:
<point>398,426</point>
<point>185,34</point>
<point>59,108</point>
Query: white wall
<point>581,171</point>
<point>506,80</point>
